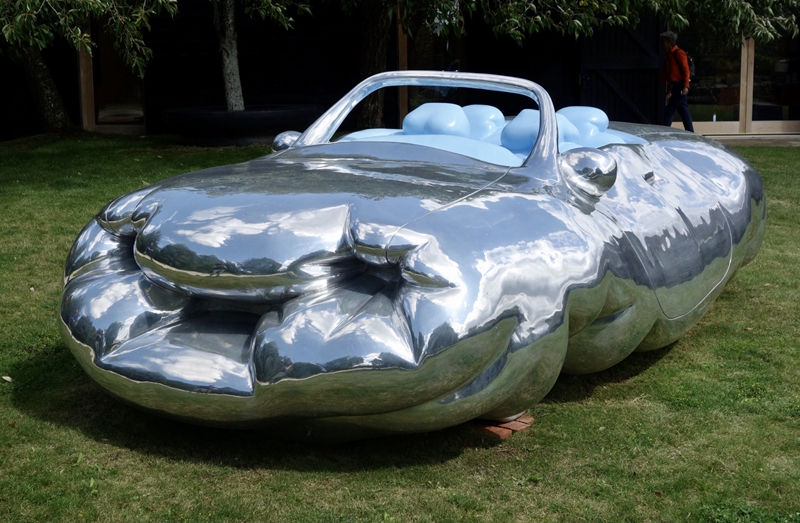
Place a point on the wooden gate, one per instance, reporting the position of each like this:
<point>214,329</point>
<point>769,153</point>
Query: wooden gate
<point>619,72</point>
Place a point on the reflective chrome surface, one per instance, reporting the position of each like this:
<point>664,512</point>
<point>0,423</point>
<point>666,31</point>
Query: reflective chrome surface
<point>347,290</point>
<point>285,140</point>
<point>589,170</point>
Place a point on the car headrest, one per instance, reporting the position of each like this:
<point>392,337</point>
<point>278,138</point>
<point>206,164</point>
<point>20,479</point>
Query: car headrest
<point>484,120</point>
<point>588,120</point>
<point>520,134</point>
<point>588,127</point>
<point>437,118</point>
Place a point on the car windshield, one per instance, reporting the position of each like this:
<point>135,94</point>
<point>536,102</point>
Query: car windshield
<point>453,119</point>
<point>485,133</point>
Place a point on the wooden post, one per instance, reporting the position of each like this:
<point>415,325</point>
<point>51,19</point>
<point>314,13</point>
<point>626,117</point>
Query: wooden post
<point>746,86</point>
<point>402,53</point>
<point>86,79</point>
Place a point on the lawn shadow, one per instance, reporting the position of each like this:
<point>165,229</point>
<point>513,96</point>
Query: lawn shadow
<point>572,388</point>
<point>50,386</point>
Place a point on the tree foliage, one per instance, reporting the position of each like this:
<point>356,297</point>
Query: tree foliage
<point>36,23</point>
<point>763,20</point>
<point>277,11</point>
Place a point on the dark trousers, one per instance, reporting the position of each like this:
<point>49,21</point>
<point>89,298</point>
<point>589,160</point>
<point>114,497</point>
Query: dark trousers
<point>677,102</point>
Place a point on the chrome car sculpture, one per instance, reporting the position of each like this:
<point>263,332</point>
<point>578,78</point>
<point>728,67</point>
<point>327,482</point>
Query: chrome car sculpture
<point>407,280</point>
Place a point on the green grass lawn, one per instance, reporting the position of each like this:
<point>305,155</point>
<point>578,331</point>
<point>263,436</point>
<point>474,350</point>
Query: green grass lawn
<point>705,430</point>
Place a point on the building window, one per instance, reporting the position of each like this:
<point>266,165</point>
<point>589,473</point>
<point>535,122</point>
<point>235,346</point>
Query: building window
<point>715,90</point>
<point>776,80</point>
<point>751,89</point>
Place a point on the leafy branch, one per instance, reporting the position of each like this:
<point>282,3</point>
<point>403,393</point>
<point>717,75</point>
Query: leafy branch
<point>36,23</point>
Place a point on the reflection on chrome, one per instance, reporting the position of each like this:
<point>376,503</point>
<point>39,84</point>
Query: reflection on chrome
<point>368,286</point>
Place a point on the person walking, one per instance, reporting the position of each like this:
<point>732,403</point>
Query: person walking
<point>675,72</point>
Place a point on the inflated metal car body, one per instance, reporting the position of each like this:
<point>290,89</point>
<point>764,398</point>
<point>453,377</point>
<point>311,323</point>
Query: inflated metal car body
<point>408,280</point>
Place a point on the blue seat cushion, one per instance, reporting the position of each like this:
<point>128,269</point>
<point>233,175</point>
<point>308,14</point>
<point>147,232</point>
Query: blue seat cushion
<point>437,118</point>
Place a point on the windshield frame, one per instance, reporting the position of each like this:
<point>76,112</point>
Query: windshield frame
<point>546,146</point>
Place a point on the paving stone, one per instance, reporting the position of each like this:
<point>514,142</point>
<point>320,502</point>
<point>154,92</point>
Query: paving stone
<point>528,420</point>
<point>502,430</point>
<point>515,426</point>
<point>492,431</point>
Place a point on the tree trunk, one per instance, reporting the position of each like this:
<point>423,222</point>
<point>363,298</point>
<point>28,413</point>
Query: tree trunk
<point>225,25</point>
<point>48,100</point>
<point>375,31</point>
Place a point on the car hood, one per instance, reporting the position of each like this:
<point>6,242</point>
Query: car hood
<point>294,219</point>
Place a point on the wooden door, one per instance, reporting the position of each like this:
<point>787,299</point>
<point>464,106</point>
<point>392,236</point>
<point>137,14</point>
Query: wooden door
<point>619,73</point>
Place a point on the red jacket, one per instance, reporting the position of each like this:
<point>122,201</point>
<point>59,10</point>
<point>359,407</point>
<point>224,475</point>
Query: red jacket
<point>676,67</point>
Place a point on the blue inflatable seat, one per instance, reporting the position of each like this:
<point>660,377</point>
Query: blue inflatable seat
<point>483,132</point>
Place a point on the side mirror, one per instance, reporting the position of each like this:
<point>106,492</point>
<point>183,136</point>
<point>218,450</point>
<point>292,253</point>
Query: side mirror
<point>285,140</point>
<point>589,170</point>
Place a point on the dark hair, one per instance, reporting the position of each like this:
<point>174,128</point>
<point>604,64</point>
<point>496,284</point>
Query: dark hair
<point>669,36</point>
